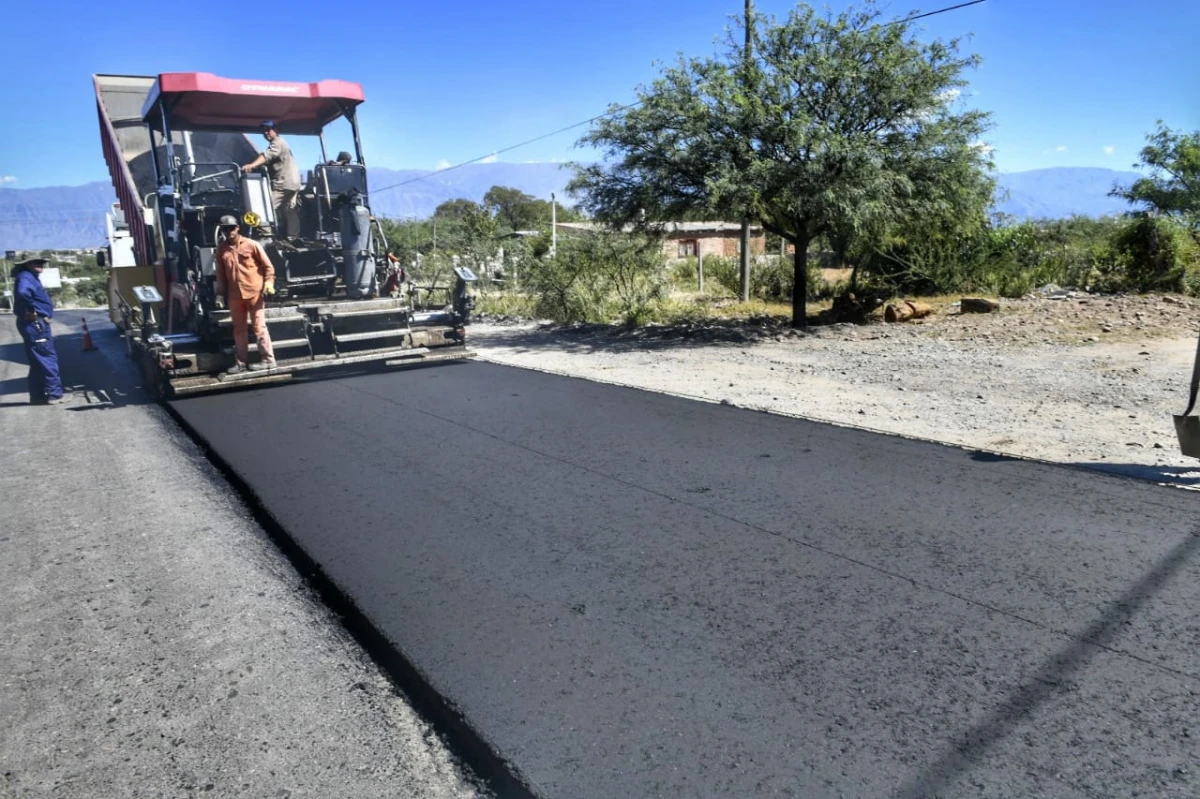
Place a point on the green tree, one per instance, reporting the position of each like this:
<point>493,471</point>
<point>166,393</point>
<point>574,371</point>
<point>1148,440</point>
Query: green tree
<point>846,126</point>
<point>1173,187</point>
<point>448,226</point>
<point>407,238</point>
<point>456,209</point>
<point>479,236</point>
<point>516,210</point>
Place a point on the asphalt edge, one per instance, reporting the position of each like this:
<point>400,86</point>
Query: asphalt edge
<point>472,749</point>
<point>995,453</point>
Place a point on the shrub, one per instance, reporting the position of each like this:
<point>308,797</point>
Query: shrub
<point>92,293</point>
<point>598,278</point>
<point>1009,260</point>
<point>771,276</point>
<point>1156,254</point>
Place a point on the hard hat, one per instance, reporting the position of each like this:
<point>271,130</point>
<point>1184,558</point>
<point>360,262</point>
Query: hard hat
<point>227,221</point>
<point>268,124</point>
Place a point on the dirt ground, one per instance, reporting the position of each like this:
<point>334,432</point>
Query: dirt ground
<point>1060,376</point>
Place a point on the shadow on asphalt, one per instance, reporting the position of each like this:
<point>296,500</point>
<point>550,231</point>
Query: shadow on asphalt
<point>17,385</point>
<point>14,351</point>
<point>992,457</point>
<point>1176,475</point>
<point>1185,476</point>
<point>1054,677</point>
<point>104,380</point>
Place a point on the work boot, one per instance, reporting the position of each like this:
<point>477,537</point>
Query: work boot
<point>237,368</point>
<point>262,366</point>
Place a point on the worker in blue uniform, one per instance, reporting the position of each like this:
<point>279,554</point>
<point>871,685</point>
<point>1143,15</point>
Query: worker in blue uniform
<point>34,310</point>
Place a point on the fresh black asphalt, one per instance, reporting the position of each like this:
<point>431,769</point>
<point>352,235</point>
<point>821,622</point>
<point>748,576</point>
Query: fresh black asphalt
<point>627,594</point>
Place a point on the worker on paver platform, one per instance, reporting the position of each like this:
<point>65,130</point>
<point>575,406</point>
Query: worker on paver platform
<point>245,278</point>
<point>34,309</point>
<point>285,177</point>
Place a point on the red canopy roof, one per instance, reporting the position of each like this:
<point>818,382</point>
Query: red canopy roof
<point>203,101</point>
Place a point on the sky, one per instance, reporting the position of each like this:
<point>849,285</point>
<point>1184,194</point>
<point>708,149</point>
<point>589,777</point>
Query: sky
<point>1068,82</point>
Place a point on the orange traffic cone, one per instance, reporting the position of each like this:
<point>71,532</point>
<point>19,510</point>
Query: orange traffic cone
<point>88,346</point>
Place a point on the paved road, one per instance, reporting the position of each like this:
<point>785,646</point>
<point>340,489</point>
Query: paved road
<point>629,594</point>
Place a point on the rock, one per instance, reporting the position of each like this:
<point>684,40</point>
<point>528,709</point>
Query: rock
<point>905,311</point>
<point>978,305</point>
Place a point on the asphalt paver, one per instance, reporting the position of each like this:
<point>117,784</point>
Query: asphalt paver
<point>631,594</point>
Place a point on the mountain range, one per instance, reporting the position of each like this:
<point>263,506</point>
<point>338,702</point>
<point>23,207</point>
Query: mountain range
<point>68,217</point>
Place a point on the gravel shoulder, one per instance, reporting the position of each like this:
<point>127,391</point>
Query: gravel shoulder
<point>1075,379</point>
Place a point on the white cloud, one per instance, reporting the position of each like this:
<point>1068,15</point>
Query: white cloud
<point>491,159</point>
<point>6,179</point>
<point>443,164</point>
<point>1109,150</point>
<point>1062,148</point>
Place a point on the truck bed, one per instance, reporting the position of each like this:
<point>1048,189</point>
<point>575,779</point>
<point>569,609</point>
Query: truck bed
<point>126,144</point>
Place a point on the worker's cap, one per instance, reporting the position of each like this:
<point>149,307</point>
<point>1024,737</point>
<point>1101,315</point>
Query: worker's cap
<point>268,124</point>
<point>227,221</point>
<point>344,157</point>
<point>33,262</point>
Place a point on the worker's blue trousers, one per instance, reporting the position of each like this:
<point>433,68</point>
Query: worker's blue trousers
<point>44,381</point>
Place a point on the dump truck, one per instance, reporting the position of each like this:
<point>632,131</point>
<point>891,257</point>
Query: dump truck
<point>175,145</point>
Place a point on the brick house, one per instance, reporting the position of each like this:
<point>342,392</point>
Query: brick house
<point>689,239</point>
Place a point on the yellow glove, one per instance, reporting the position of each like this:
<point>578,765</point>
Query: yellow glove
<point>269,288</point>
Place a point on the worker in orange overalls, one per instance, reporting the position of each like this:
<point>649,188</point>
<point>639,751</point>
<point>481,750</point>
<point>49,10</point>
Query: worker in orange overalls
<point>245,278</point>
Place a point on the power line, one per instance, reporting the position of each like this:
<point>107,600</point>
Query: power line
<point>939,11</point>
<point>506,149</point>
<point>618,110</point>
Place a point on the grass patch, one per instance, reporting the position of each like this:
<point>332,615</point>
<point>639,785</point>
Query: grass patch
<point>505,304</point>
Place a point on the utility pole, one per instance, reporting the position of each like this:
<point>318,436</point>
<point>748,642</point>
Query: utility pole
<point>747,58</point>
<point>553,226</point>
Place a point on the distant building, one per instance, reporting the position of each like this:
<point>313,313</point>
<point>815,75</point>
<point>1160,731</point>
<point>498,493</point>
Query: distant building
<point>689,239</point>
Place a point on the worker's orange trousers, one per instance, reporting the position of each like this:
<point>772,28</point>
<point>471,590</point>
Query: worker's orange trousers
<point>241,309</point>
